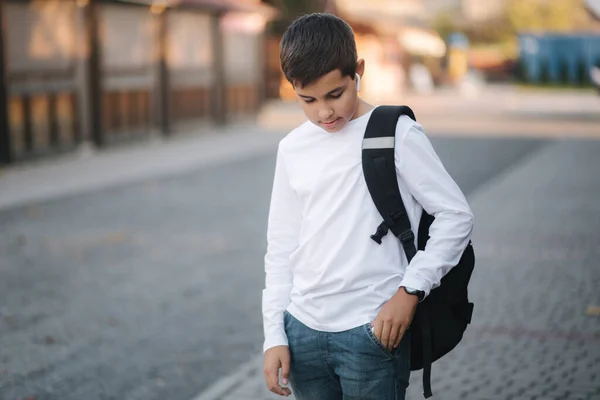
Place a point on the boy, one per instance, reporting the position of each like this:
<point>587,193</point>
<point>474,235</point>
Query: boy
<point>337,306</point>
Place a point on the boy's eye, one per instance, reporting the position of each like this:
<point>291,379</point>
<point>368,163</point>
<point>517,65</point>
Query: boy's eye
<point>331,96</point>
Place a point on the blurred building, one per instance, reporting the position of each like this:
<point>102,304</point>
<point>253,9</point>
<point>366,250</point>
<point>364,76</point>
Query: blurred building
<point>106,71</point>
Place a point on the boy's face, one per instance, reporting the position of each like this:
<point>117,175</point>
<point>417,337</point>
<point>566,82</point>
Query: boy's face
<point>331,101</point>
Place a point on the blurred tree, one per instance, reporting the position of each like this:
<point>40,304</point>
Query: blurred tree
<point>295,8</point>
<point>524,15</point>
<point>491,31</point>
<point>444,25</point>
<point>529,15</point>
<point>560,14</point>
<point>544,15</point>
<point>292,9</point>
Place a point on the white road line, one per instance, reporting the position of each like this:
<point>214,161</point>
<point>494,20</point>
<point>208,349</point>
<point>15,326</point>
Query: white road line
<point>217,390</point>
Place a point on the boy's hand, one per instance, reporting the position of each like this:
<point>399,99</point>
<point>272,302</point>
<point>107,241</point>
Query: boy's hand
<point>275,358</point>
<point>395,318</point>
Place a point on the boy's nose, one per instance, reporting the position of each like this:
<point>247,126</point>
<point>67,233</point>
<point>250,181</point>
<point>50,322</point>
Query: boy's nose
<point>325,113</point>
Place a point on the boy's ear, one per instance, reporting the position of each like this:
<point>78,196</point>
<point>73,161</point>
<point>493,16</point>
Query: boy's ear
<point>360,67</point>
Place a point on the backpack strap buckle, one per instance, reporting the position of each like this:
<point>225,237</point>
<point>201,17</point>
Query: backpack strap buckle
<point>407,236</point>
<point>382,230</point>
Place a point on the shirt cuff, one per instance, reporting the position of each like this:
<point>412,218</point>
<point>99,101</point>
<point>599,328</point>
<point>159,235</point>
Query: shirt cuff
<point>414,282</point>
<point>275,339</point>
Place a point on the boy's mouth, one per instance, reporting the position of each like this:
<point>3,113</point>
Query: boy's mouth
<point>331,124</point>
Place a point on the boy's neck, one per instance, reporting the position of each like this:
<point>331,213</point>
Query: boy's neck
<point>362,108</point>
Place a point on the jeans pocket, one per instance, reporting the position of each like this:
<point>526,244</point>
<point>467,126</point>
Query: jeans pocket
<point>388,354</point>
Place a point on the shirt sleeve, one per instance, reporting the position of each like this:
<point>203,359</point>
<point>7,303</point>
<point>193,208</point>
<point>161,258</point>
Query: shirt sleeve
<point>420,168</point>
<point>283,231</point>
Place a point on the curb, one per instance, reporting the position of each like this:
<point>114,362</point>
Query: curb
<point>88,172</point>
<point>218,390</point>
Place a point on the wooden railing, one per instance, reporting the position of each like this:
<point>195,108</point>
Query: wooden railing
<point>43,113</point>
<point>46,111</point>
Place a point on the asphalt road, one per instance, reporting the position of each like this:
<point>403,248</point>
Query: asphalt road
<point>152,290</point>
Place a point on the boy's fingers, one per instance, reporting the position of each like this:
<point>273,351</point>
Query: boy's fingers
<point>285,375</point>
<point>377,327</point>
<point>285,371</point>
<point>394,335</point>
<point>272,380</point>
<point>400,336</point>
<point>273,386</point>
<point>385,334</point>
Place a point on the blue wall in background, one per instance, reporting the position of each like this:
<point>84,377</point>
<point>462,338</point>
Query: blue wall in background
<point>558,58</point>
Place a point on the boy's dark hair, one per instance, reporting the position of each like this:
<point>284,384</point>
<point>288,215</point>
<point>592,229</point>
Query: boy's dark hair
<point>316,44</point>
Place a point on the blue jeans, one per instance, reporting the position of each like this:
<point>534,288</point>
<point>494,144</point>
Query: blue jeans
<point>349,365</point>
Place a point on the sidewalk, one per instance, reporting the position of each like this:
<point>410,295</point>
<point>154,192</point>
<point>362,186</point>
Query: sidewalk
<point>537,273</point>
<point>93,170</point>
<point>499,110</point>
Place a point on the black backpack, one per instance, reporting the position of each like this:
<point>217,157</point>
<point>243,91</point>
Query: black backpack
<point>442,318</point>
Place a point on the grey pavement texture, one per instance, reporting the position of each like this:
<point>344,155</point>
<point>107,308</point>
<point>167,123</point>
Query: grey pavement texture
<point>538,269</point>
<point>150,289</point>
<point>129,292</point>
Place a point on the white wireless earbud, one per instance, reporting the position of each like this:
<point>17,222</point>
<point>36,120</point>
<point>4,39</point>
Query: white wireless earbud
<point>357,82</point>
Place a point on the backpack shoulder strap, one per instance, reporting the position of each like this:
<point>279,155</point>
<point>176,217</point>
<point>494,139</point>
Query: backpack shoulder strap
<point>379,169</point>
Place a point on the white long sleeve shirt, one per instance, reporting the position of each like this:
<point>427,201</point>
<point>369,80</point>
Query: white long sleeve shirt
<point>321,264</point>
